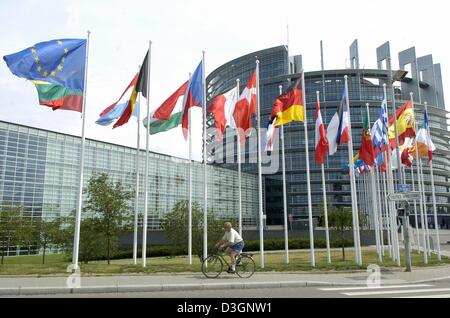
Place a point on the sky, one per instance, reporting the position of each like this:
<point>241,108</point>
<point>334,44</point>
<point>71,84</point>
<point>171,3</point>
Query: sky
<point>181,29</point>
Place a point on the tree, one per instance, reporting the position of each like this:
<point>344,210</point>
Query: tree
<point>48,233</point>
<point>109,204</point>
<point>10,222</point>
<point>175,224</point>
<point>341,220</point>
<point>92,241</point>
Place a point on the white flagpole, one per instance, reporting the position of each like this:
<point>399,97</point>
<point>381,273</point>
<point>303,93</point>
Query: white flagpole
<point>205,166</point>
<point>147,145</point>
<point>308,175</point>
<point>380,210</point>
<point>425,212</point>
<point>239,168</point>
<point>325,205</point>
<point>390,184</point>
<point>415,211</point>
<point>136,198</point>
<point>419,182</point>
<point>76,239</point>
<point>374,201</point>
<point>261,217</point>
<point>433,193</point>
<point>356,237</point>
<point>190,188</point>
<point>283,162</point>
<point>387,215</point>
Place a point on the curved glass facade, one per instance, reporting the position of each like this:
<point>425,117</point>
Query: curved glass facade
<point>365,86</point>
<point>39,172</point>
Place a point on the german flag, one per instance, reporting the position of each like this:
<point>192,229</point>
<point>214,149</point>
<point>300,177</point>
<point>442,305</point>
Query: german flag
<point>289,106</point>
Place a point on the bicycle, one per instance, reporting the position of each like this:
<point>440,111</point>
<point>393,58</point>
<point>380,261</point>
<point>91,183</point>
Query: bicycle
<point>212,266</point>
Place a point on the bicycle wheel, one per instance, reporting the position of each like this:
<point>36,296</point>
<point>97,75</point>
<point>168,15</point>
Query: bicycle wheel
<point>245,266</point>
<point>212,266</point>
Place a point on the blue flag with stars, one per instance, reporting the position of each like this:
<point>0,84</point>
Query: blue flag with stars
<point>60,62</point>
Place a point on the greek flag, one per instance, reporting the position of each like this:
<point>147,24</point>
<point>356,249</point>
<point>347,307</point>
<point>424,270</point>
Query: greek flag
<point>379,134</point>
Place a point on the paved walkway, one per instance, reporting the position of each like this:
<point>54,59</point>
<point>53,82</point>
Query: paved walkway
<point>196,281</point>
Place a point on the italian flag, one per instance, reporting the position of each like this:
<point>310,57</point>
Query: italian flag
<point>58,97</point>
<point>170,114</point>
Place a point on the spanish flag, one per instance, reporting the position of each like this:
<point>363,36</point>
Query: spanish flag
<point>405,124</point>
<point>288,107</point>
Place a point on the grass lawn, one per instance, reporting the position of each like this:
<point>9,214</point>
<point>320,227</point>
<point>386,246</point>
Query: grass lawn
<point>274,261</point>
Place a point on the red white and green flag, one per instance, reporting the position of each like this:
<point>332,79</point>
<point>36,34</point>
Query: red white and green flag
<point>170,114</point>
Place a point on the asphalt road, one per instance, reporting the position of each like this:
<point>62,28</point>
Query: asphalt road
<point>440,289</point>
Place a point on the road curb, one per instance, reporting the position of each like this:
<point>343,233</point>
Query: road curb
<point>115,289</point>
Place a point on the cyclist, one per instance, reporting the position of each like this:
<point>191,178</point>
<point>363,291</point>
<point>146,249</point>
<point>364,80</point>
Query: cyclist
<point>233,243</point>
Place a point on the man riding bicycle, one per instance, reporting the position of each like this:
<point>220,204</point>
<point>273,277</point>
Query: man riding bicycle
<point>233,243</point>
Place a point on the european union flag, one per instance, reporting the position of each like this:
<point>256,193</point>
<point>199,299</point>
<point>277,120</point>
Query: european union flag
<point>60,62</point>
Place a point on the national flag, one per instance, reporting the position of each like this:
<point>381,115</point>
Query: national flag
<point>379,135</point>
<point>59,62</point>
<point>337,131</point>
<point>140,86</point>
<point>222,107</point>
<point>245,108</point>
<point>321,143</point>
<point>170,114</point>
<point>366,152</point>
<point>272,132</point>
<point>405,124</point>
<point>359,166</point>
<point>407,152</point>
<point>289,106</point>
<point>58,97</point>
<point>194,96</point>
<point>425,145</point>
<point>122,109</point>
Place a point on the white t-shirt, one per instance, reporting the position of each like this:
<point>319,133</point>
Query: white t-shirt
<point>232,236</point>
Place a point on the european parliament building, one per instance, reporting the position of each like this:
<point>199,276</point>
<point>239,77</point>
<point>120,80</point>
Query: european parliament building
<point>365,86</point>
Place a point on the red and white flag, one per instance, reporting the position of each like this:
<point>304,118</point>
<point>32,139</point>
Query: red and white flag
<point>222,107</point>
<point>321,136</point>
<point>245,108</point>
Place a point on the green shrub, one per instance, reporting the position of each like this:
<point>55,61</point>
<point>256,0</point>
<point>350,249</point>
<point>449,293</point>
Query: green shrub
<point>269,245</point>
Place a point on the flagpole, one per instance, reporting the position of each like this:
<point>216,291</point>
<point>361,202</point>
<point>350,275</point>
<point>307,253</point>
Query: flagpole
<point>358,256</point>
<point>433,191</point>
<point>415,211</point>
<point>387,215</point>
<point>419,181</point>
<point>380,210</point>
<point>308,176</point>
<point>397,144</point>
<point>261,219</point>
<point>190,187</point>
<point>136,198</point>
<point>147,144</point>
<point>425,212</point>
<point>374,201</point>
<point>283,162</point>
<point>76,239</point>
<point>205,165</point>
<point>325,205</point>
<point>390,185</point>
<point>239,169</point>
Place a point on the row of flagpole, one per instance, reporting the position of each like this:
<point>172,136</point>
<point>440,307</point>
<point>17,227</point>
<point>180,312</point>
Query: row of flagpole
<point>379,222</point>
<point>378,185</point>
